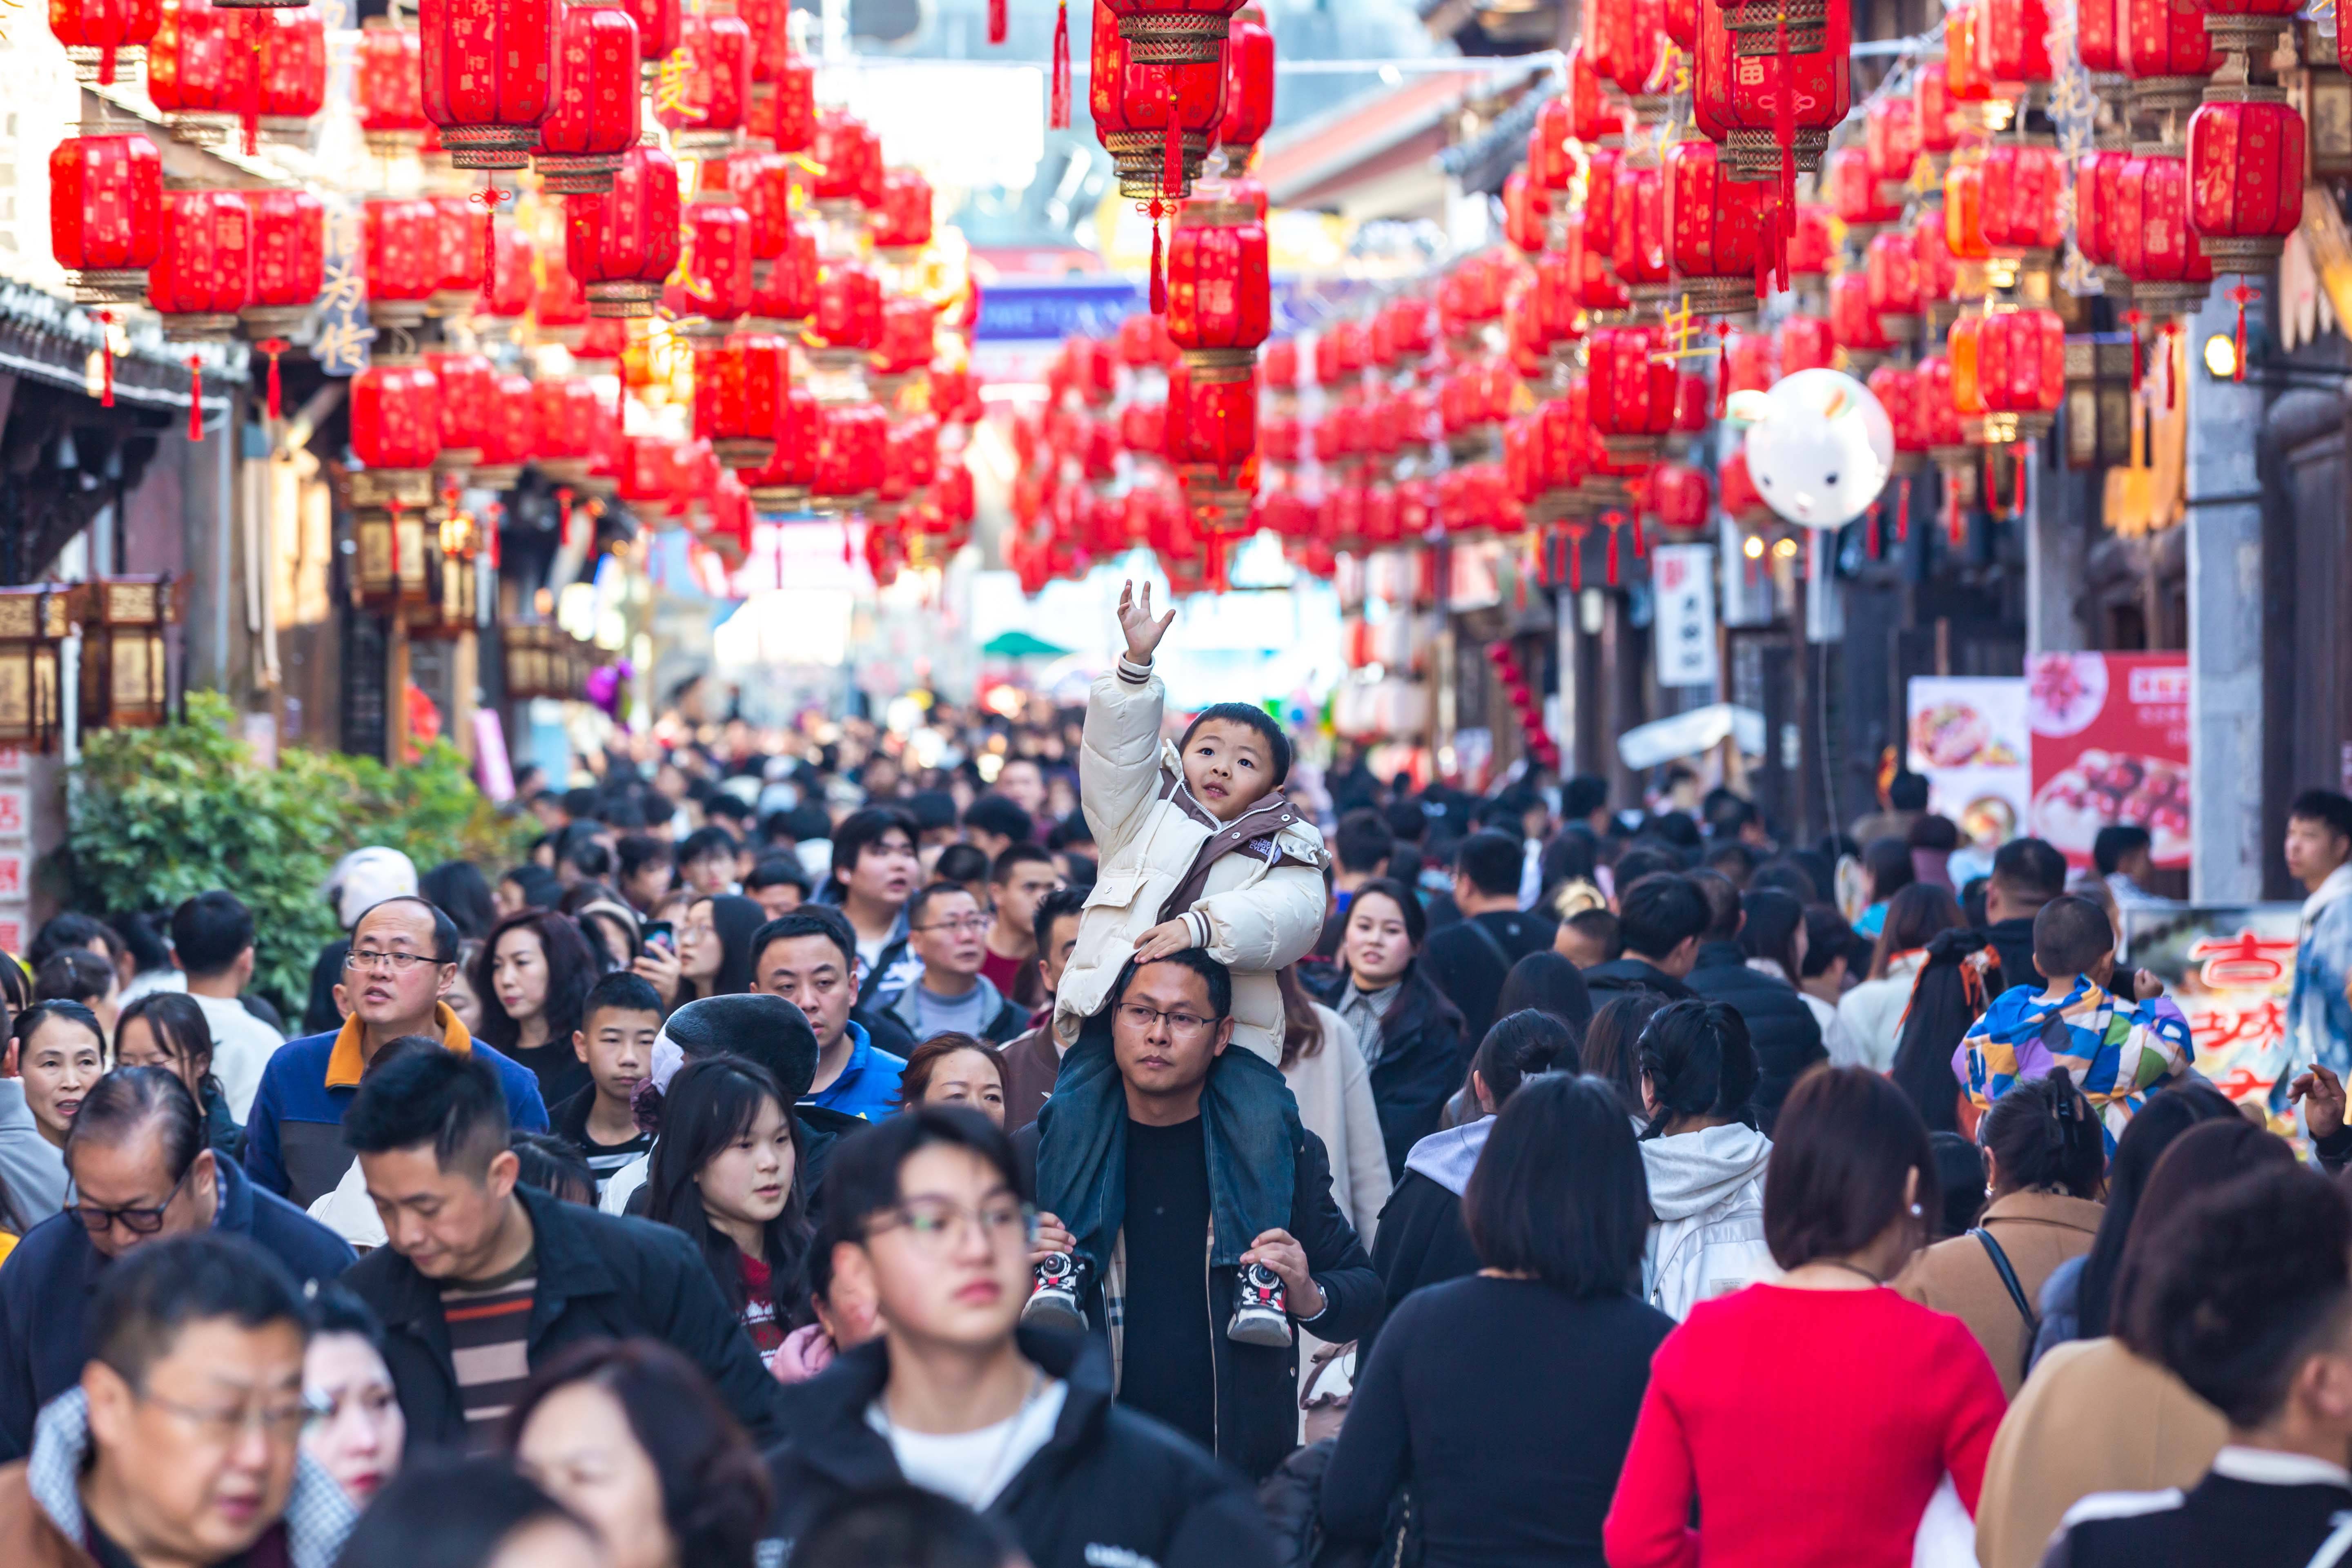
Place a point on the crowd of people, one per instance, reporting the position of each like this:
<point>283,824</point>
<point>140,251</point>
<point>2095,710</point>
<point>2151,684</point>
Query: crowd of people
<point>1156,1154</point>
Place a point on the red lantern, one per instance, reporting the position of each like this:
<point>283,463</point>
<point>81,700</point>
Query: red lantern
<point>1624,42</point>
<point>842,147</point>
<point>395,416</point>
<point>784,481</point>
<point>1931,258</point>
<point>1638,228</point>
<point>199,73</point>
<point>710,113</point>
<point>1741,107</point>
<point>1132,96</point>
<point>2021,372</point>
<point>1164,32</point>
<point>291,60</point>
<point>2154,245</point>
<point>565,409</point>
<point>1715,227</point>
<point>488,74</point>
<point>903,227</point>
<point>851,440</point>
<point>290,232</point>
<point>1219,308</point>
<point>2167,52</point>
<point>2245,175</point>
<point>1852,322</point>
<point>506,294</point>
<point>1741,499</point>
<point>103,37</point>
<point>2098,43</point>
<point>1810,248</point>
<point>203,274</point>
<point>1898,391</point>
<point>509,438</point>
<point>387,85</point>
<point>622,246</point>
<point>1893,275</point>
<point>909,336</point>
<point>1939,407</point>
<point>716,253</point>
<point>401,259</point>
<point>783,85</point>
<point>467,385</point>
<point>2012,44</point>
<point>2019,212</point>
<point>1676,495</point>
<point>847,321</point>
<point>1591,116</point>
<point>594,118</point>
<point>2095,176</point>
<point>1527,212</point>
<point>1803,342</point>
<point>1937,133</point>
<point>106,216</point>
<point>1249,89</point>
<point>739,387</point>
<point>785,296</point>
<point>457,241</point>
<point>1747,362</point>
<point>1549,162</point>
<point>1632,389</point>
<point>1891,139</point>
<point>1854,189</point>
<point>660,28</point>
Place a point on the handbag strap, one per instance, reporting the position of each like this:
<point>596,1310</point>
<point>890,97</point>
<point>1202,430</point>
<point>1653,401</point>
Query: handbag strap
<point>2008,1278</point>
<point>1494,943</point>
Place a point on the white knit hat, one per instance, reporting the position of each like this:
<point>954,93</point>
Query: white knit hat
<point>365,877</point>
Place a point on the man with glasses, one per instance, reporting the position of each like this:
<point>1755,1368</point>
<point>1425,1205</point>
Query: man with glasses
<point>948,929</point>
<point>403,961</point>
<point>925,1217</point>
<point>181,1444</point>
<point>142,1172</point>
<point>1147,1194</point>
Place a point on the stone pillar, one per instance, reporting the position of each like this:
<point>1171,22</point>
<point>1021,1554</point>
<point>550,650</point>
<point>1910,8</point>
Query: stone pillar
<point>2061,513</point>
<point>2226,624</point>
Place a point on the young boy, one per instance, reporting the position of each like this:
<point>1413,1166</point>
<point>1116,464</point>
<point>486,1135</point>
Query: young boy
<point>2117,1046</point>
<point>1198,849</point>
<point>617,1027</point>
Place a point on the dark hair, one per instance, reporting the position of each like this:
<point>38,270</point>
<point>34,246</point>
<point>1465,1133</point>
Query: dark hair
<point>1277,744</point>
<point>1559,1191</point>
<point>961,864</point>
<point>1639,862</point>
<point>1840,1146</point>
<point>180,1028</point>
<point>861,1176</point>
<point>570,973</point>
<point>778,872</point>
<point>334,1309</point>
<point>1959,1172</point>
<point>149,1295</point>
<point>1302,1028</point>
<point>1908,790</point>
<point>1828,939</point>
<point>709,1105</point>
<point>123,1103</point>
<point>2113,842</point>
<point>448,1513</point>
<point>456,887</point>
<point>1789,877</point>
<point>25,1025</point>
<point>2245,1285</point>
<point>445,929</point>
<point>1521,1046</point>
<point>735,920</point>
<point>1547,982</point>
<point>1219,979</point>
<point>1568,857</point>
<point>902,1526</point>
<point>861,830</point>
<point>538,885</point>
<point>1937,834</point>
<point>2071,934</point>
<point>919,904</point>
<point>639,850</point>
<point>209,930</point>
<point>1722,896</point>
<point>1732,860</point>
<point>809,919</point>
<point>1011,858</point>
<point>1362,841</point>
<point>714,1487</point>
<point>553,1165</point>
<point>1612,1049</point>
<point>2029,868</point>
<point>1888,861</point>
<point>1699,1061</point>
<point>2168,1119</point>
<point>2045,1137</point>
<point>1660,912</point>
<point>1601,926</point>
<point>1059,904</point>
<point>995,813</point>
<point>1414,988</point>
<point>621,991</point>
<point>932,808</point>
<point>449,1100</point>
<point>2322,806</point>
<point>1915,916</point>
<point>1676,828</point>
<point>924,1058</point>
<point>67,930</point>
<point>1491,862</point>
<point>1769,931</point>
<point>711,842</point>
<point>74,974</point>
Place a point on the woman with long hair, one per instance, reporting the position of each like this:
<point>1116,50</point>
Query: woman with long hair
<point>1888,862</point>
<point>1325,1068</point>
<point>726,1170</point>
<point>1411,1036</point>
<point>1778,941</point>
<point>1704,1157</point>
<point>167,1029</point>
<point>1813,1418</point>
<point>1506,1399</point>
<point>714,946</point>
<point>532,977</point>
<point>1873,1010</point>
<point>1613,1048</point>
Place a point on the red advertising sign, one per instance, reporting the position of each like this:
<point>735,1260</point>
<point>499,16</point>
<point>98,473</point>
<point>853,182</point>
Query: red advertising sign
<point>2110,744</point>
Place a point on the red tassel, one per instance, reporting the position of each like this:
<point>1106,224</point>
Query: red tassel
<point>392,505</point>
<point>1575,561</point>
<point>1159,274</point>
<point>1992,485</point>
<point>106,359</point>
<point>106,65</point>
<point>1723,365</point>
<point>1870,540</point>
<point>2242,294</point>
<point>1903,513</point>
<point>1171,149</point>
<point>996,21</point>
<point>1057,111</point>
<point>1611,531</point>
<point>1784,131</point>
<point>2132,320</point>
<point>563,511</point>
<point>1641,545</point>
<point>845,557</point>
<point>492,533</point>
<point>2164,344</point>
<point>273,347</point>
<point>490,197</point>
<point>195,398</point>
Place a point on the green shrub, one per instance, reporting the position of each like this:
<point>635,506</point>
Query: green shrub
<point>158,816</point>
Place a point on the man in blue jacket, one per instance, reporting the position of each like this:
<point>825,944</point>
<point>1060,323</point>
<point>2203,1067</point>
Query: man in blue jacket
<point>141,1170</point>
<point>403,961</point>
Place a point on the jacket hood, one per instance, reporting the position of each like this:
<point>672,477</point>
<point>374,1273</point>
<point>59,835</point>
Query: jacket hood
<point>1447,1158</point>
<point>1693,1171</point>
<point>319,1514</point>
<point>15,1113</point>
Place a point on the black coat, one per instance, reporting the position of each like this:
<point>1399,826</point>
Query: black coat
<point>1425,1057</point>
<point>1622,975</point>
<point>1112,1488</point>
<point>599,1278</point>
<point>1422,1241</point>
<point>1257,1385</point>
<point>1787,1037</point>
<point>1470,969</point>
<point>2013,940</point>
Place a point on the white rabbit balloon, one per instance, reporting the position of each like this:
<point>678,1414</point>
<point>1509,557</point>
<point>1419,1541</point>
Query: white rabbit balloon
<point>1820,446</point>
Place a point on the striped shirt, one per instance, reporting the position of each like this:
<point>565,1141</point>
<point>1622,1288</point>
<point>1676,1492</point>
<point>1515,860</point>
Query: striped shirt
<point>489,1344</point>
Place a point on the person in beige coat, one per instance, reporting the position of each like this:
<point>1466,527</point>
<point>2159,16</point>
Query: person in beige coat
<point>1325,1069</point>
<point>2045,1159</point>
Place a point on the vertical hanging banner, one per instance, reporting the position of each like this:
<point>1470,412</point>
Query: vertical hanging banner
<point>1683,577</point>
<point>2110,744</point>
<point>344,334</point>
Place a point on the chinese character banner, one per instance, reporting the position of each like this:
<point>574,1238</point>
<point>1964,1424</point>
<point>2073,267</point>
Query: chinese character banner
<point>2229,969</point>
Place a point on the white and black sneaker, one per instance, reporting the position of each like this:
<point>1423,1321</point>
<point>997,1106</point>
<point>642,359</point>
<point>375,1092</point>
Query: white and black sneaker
<point>1054,1301</point>
<point>1262,1316</point>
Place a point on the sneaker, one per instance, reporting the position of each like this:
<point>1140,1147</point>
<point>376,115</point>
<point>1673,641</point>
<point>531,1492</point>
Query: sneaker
<point>1054,1301</point>
<point>1263,1314</point>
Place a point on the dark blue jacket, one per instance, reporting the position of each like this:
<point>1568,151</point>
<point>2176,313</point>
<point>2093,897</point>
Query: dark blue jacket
<point>45,1286</point>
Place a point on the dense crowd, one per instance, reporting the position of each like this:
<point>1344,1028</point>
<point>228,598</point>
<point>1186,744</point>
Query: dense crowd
<point>1111,1142</point>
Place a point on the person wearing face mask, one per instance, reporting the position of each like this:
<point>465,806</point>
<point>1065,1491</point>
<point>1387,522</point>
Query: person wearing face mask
<point>629,1437</point>
<point>356,1431</point>
<point>59,1050</point>
<point>533,978</point>
<point>726,1170</point>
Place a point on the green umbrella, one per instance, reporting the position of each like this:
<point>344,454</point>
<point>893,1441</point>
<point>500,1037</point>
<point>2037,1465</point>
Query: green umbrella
<point>1017,644</point>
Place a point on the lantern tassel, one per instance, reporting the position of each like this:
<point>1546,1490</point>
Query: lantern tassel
<point>1722,364</point>
<point>1057,112</point>
<point>106,359</point>
<point>273,347</point>
<point>1171,151</point>
<point>106,65</point>
<point>1992,484</point>
<point>392,505</point>
<point>2163,340</point>
<point>1870,539</point>
<point>1612,556</point>
<point>1641,546</point>
<point>494,515</point>
<point>1159,274</point>
<point>1903,512</point>
<point>847,557</point>
<point>2242,293</point>
<point>1575,561</point>
<point>2132,320</point>
<point>996,21</point>
<point>564,514</point>
<point>1784,131</point>
<point>195,398</point>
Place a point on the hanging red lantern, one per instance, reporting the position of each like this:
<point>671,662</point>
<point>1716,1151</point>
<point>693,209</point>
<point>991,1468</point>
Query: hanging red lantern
<point>488,76</point>
<point>842,148</point>
<point>2013,46</point>
<point>1249,89</point>
<point>1744,108</point>
<point>1715,227</point>
<point>1964,212</point>
<point>387,85</point>
<point>1931,258</point>
<point>1898,392</point>
<point>1811,246</point>
<point>1938,131</point>
<point>400,257</point>
<point>466,385</point>
<point>2154,245</point>
<point>2021,372</point>
<point>2018,215</point>
<point>1132,96</point>
<point>1625,43</point>
<point>785,296</point>
<point>1219,301</point>
<point>1747,362</point>
<point>510,437</point>
<point>709,115</point>
<point>2167,53</point>
<point>623,244</point>
<point>903,227</point>
<point>290,233</point>
<point>395,416</point>
<point>104,37</point>
<point>1550,161</point>
<point>199,73</point>
<point>660,29</point>
<point>2096,174</point>
<point>564,408</point>
<point>715,261</point>
<point>1637,222</point>
<point>1527,212</point>
<point>1676,495</point>
<point>1592,115</point>
<point>739,387</point>
<point>784,482</point>
<point>106,216</point>
<point>1854,323</point>
<point>2098,41</point>
<point>1939,408</point>
<point>847,321</point>
<point>593,117</point>
<point>1891,142</point>
<point>1632,389</point>
<point>2245,175</point>
<point>459,241</point>
<point>1803,342</point>
<point>203,274</point>
<point>507,293</point>
<point>909,337</point>
<point>1892,271</point>
<point>1854,190</point>
<point>291,61</point>
<point>851,440</point>
<point>783,84</point>
<point>1741,499</point>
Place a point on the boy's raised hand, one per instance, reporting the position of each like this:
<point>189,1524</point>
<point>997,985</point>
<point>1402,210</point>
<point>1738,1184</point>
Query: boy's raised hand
<point>1135,618</point>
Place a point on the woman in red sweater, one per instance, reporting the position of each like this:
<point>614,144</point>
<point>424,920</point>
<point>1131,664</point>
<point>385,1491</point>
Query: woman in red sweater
<point>1810,1420</point>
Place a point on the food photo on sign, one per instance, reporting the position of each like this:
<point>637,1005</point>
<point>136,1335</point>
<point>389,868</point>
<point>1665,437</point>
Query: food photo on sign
<point>1967,736</point>
<point>2229,969</point>
<point>2110,744</point>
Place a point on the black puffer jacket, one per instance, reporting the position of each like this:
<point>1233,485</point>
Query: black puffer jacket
<point>1425,1057</point>
<point>1787,1037</point>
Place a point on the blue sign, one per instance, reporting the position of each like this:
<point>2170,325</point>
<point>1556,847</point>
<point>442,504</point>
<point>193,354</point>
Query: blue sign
<point>1094,307</point>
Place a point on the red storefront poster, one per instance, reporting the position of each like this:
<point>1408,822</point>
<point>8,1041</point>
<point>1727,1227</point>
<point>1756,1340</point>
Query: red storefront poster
<point>2110,744</point>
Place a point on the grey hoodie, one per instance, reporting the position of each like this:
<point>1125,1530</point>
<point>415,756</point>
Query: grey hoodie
<point>32,1169</point>
<point>1447,1158</point>
<point>1706,1189</point>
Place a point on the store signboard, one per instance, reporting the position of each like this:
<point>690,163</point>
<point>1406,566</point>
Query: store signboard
<point>1681,576</point>
<point>1967,737</point>
<point>2229,969</point>
<point>2110,744</point>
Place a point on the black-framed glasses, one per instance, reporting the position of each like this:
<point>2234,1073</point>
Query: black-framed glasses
<point>1183,1025</point>
<point>402,963</point>
<point>137,1219</point>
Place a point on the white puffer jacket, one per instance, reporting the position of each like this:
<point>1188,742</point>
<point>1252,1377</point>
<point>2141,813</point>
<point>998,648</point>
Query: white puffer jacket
<point>1252,917</point>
